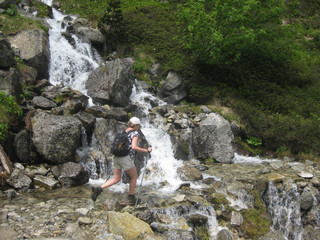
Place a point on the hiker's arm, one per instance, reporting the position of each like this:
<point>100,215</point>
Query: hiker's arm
<point>135,147</point>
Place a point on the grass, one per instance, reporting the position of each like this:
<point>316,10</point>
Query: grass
<point>10,25</point>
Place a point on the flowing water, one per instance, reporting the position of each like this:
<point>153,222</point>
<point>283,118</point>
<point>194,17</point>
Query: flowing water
<point>71,64</point>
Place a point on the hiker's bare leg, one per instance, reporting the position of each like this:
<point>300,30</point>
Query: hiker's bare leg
<point>116,178</point>
<point>132,172</point>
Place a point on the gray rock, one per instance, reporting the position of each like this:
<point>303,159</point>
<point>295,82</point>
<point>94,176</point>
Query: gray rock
<point>213,139</point>
<point>306,199</point>
<point>56,138</point>
<point>73,174</point>
<point>34,49</point>
<point>236,218</point>
<point>173,89</point>
<point>112,83</point>
<point>19,180</point>
<point>25,150</point>
<point>224,234</point>
<point>43,103</point>
<point>9,82</point>
<point>179,234</point>
<point>46,182</point>
<point>6,53</point>
<point>188,173</point>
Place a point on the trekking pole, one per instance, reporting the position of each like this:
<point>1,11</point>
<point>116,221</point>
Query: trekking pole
<point>145,169</point>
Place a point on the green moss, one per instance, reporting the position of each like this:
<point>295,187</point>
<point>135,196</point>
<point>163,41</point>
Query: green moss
<point>218,199</point>
<point>256,220</point>
<point>202,233</point>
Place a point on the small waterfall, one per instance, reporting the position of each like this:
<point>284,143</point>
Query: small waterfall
<point>284,208</point>
<point>70,64</point>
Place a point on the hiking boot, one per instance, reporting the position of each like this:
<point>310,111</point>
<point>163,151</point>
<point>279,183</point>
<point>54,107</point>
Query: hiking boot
<point>95,193</point>
<point>132,199</point>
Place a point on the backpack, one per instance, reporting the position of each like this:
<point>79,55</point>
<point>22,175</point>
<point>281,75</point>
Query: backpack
<point>121,144</point>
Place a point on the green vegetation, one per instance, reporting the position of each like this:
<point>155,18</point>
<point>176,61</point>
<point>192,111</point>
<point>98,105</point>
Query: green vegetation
<point>256,222</point>
<point>258,58</point>
<point>11,24</point>
<point>9,112</point>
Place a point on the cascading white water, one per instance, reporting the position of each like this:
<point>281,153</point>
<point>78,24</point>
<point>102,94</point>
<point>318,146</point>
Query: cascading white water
<point>284,208</point>
<point>70,64</point>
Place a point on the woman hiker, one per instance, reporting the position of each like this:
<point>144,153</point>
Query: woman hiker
<point>125,163</point>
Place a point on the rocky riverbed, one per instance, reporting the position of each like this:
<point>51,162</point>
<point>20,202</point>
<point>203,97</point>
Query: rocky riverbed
<point>220,202</point>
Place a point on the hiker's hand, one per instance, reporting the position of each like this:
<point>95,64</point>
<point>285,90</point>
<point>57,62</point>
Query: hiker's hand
<point>149,149</point>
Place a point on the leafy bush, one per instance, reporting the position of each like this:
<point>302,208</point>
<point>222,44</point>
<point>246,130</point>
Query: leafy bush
<point>9,110</point>
<point>12,10</point>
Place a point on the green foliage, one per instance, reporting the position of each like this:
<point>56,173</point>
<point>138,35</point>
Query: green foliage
<point>254,141</point>
<point>112,20</point>
<point>12,10</point>
<point>222,32</point>
<point>4,128</point>
<point>9,111</point>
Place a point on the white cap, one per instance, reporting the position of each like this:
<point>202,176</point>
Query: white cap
<point>134,120</point>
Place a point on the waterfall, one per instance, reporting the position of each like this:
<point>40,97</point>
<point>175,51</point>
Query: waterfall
<point>284,208</point>
<point>70,63</point>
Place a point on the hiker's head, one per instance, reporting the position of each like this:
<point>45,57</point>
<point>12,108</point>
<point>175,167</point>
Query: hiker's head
<point>134,121</point>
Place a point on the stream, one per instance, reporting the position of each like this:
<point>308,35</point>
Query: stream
<point>52,213</point>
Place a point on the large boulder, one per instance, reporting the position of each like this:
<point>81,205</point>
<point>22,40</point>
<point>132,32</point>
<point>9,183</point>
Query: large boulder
<point>9,82</point>
<point>112,83</point>
<point>56,137</point>
<point>173,89</point>
<point>128,226</point>
<point>6,53</point>
<point>213,139</point>
<point>34,49</point>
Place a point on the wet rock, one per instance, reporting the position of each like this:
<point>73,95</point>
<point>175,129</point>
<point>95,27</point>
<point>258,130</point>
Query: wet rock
<point>159,227</point>
<point>87,121</point>
<point>146,216</point>
<point>108,113</point>
<point>187,173</point>
<point>73,174</point>
<point>179,234</point>
<point>197,219</point>
<point>306,199</point>
<point>46,182</point>
<point>56,138</point>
